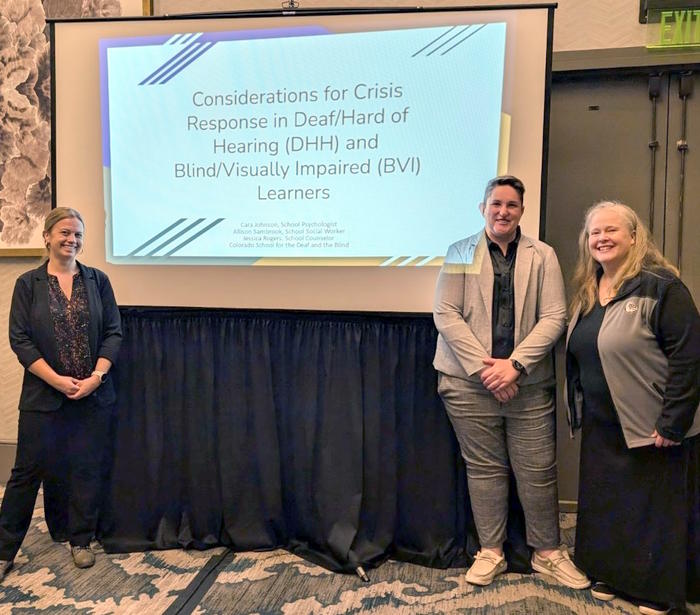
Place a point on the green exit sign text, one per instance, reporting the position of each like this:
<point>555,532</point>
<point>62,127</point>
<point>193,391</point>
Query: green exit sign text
<point>673,28</point>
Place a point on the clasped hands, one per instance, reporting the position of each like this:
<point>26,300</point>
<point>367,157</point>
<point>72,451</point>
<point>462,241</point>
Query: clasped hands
<point>661,442</point>
<point>500,377</point>
<point>75,388</point>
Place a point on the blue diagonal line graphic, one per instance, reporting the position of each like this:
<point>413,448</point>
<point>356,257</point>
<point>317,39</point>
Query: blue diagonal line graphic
<point>464,39</point>
<point>462,31</point>
<point>175,39</point>
<point>158,236</point>
<point>193,237</point>
<point>435,40</point>
<point>175,58</point>
<point>189,37</point>
<point>174,237</point>
<point>182,67</point>
<point>192,49</point>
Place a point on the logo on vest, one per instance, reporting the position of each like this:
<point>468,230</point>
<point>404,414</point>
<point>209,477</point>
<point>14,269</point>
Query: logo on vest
<point>631,307</point>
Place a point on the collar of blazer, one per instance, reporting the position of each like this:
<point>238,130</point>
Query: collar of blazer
<point>521,278</point>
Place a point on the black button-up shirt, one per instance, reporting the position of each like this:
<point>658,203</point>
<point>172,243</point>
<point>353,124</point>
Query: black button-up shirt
<point>503,306</point>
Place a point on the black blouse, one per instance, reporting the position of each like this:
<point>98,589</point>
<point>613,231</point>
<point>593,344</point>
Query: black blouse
<point>583,345</point>
<point>71,320</point>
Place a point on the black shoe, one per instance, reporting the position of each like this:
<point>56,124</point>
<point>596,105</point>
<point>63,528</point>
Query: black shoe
<point>601,591</point>
<point>5,567</point>
<point>83,557</point>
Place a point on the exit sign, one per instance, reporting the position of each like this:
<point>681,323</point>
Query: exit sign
<point>673,28</point>
<point>645,6</point>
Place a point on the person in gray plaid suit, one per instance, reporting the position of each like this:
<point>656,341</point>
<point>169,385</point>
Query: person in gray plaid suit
<point>499,309</point>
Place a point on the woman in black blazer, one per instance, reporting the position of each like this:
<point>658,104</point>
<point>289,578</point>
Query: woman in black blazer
<point>65,330</point>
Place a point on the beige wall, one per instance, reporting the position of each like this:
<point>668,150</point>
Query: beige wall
<point>578,25</point>
<point>10,370</point>
<point>594,24</point>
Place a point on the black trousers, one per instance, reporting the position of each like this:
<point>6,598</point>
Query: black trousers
<point>66,449</point>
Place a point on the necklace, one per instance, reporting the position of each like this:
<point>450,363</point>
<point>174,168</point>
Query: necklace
<point>605,294</point>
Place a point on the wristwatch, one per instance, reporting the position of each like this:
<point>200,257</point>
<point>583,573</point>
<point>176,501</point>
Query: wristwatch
<point>101,375</point>
<point>519,366</point>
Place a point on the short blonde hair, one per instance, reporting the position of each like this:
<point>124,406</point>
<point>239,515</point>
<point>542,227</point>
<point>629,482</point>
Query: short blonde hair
<point>643,254</point>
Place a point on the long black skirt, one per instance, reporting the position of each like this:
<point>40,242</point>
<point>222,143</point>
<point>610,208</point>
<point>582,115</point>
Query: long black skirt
<point>638,527</point>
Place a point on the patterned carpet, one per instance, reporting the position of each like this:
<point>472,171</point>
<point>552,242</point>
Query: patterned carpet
<point>216,582</point>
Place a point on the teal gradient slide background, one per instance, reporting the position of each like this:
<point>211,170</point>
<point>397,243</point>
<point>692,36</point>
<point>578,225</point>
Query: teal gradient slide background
<point>406,134</point>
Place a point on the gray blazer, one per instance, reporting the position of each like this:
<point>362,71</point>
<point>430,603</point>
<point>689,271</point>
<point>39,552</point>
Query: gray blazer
<point>463,306</point>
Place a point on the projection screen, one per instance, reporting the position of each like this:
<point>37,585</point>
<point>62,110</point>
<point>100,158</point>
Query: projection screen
<point>313,160</point>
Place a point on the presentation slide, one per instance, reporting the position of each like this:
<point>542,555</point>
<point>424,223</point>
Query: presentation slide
<point>297,145</point>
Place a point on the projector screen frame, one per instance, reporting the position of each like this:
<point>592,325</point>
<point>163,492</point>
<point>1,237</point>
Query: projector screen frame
<point>331,11</point>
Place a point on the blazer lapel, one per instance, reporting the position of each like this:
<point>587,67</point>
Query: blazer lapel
<point>523,266</point>
<point>486,278</point>
<point>94,307</point>
<point>44,330</point>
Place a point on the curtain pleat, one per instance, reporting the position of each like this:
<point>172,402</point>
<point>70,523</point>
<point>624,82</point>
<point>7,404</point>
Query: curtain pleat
<point>320,433</point>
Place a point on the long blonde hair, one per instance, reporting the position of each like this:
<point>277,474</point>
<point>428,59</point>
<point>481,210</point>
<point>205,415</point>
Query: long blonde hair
<point>643,254</point>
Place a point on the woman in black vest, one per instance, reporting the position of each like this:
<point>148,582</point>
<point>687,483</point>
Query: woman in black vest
<point>633,375</point>
<point>65,330</point>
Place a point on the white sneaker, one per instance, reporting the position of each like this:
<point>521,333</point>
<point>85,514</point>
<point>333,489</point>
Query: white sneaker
<point>486,567</point>
<point>603,592</point>
<point>560,566</point>
<point>650,608</point>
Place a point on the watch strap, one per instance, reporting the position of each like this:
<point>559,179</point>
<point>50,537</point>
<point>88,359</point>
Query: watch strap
<point>518,366</point>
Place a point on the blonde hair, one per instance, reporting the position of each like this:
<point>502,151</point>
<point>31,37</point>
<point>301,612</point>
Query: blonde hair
<point>60,213</point>
<point>643,254</point>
